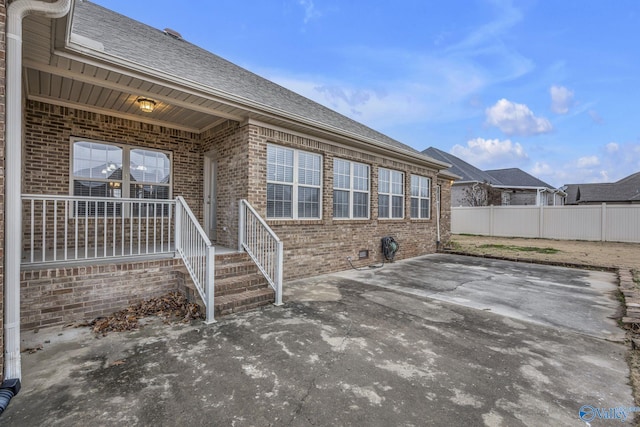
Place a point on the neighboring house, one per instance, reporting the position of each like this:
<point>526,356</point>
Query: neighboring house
<point>128,149</point>
<point>511,186</point>
<point>624,191</point>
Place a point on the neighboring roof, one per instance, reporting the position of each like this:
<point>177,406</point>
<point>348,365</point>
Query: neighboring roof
<point>625,190</point>
<point>516,177</point>
<point>469,173</point>
<point>129,40</point>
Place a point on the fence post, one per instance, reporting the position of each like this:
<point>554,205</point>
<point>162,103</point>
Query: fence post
<point>541,222</point>
<point>209,285</point>
<point>242,217</point>
<point>178,226</point>
<point>603,226</point>
<point>279,272</point>
<point>491,221</point>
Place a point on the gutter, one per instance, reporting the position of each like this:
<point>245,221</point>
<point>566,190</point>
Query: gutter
<point>16,12</point>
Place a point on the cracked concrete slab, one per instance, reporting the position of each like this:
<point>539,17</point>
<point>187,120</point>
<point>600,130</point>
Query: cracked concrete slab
<point>343,351</point>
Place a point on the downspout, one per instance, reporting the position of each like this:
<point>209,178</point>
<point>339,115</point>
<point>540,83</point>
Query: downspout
<point>439,196</point>
<point>16,12</point>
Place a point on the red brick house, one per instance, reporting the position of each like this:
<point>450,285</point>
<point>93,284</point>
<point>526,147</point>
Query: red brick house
<point>137,163</point>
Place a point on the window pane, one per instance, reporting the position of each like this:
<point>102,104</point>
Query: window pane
<point>383,181</point>
<point>396,209</point>
<point>308,169</point>
<point>396,183</point>
<point>341,176</point>
<point>424,208</point>
<point>383,206</point>
<point>415,211</point>
<point>94,160</point>
<point>360,177</point>
<point>279,164</point>
<point>308,202</point>
<point>415,186</point>
<point>279,201</point>
<point>141,191</point>
<point>360,205</point>
<point>91,189</point>
<point>340,204</point>
<point>149,166</point>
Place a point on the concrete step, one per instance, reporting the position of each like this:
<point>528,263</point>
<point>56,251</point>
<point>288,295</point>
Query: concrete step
<point>249,300</point>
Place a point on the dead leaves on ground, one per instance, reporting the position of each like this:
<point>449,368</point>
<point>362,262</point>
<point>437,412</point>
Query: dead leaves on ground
<point>173,305</point>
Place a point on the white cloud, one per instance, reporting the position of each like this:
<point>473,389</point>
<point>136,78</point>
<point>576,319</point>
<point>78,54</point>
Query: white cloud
<point>612,147</point>
<point>561,99</point>
<point>516,119</point>
<point>310,10</point>
<point>588,162</point>
<point>542,169</point>
<point>491,153</point>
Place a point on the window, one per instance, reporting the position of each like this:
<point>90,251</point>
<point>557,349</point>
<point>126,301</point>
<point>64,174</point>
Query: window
<point>390,194</point>
<point>420,197</point>
<point>293,183</point>
<point>350,189</point>
<point>100,169</point>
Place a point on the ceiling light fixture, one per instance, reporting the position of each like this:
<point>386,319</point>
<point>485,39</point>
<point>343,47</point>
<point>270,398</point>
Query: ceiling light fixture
<point>146,105</point>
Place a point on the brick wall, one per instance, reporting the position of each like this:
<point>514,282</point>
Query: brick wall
<point>3,20</point>
<point>48,131</point>
<point>66,295</point>
<point>227,145</point>
<point>321,246</point>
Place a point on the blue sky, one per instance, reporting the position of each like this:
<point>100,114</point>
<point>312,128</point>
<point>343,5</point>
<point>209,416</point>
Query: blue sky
<point>551,87</point>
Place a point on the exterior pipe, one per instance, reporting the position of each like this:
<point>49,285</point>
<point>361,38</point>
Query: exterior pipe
<point>16,12</point>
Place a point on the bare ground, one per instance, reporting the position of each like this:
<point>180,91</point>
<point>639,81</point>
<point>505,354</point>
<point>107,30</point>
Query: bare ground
<point>598,255</point>
<point>607,255</point>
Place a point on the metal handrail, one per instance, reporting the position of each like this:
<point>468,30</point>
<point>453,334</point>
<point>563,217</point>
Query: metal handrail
<point>197,253</point>
<point>263,246</point>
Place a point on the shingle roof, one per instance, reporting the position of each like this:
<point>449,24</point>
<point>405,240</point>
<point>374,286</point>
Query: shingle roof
<point>625,190</point>
<point>460,167</point>
<point>517,178</point>
<point>130,40</point>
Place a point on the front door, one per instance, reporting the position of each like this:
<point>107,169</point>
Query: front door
<point>210,208</point>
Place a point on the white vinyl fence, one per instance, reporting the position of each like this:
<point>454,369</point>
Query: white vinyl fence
<point>607,223</point>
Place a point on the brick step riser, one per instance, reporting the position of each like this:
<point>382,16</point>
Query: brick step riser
<point>239,289</point>
<point>225,271</point>
<point>229,258</point>
<point>244,305</point>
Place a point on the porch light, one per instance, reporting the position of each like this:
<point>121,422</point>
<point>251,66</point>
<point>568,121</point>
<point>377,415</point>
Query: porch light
<point>146,105</point>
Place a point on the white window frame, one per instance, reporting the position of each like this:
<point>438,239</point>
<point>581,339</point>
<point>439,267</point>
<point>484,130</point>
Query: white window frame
<point>391,194</point>
<point>421,180</point>
<point>295,184</point>
<point>351,190</point>
<point>125,182</point>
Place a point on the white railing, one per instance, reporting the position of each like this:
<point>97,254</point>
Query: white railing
<point>197,252</point>
<point>65,229</point>
<point>605,222</point>
<point>262,245</point>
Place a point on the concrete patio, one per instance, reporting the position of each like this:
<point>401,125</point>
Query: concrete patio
<point>436,340</point>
